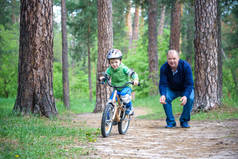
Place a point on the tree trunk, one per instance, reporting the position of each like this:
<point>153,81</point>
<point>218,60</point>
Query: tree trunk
<point>129,24</point>
<point>135,31</point>
<point>65,56</point>
<point>35,87</point>
<point>189,36</point>
<point>174,42</point>
<point>161,23</point>
<point>14,6</point>
<point>105,43</point>
<point>189,45</point>
<point>220,62</point>
<point>141,21</point>
<point>89,67</point>
<point>206,55</point>
<point>152,47</point>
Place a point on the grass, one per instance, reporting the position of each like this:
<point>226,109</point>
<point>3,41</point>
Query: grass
<point>38,137</point>
<point>77,106</point>
<point>157,110</point>
<point>228,111</point>
<point>32,137</point>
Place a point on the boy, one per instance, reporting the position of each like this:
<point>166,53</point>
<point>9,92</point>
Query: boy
<point>120,74</point>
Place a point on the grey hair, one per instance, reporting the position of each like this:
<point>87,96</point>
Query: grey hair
<point>173,51</point>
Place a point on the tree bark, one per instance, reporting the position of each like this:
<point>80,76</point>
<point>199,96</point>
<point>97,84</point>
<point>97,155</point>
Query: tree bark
<point>188,43</point>
<point>161,23</point>
<point>105,43</point>
<point>35,87</point>
<point>152,47</point>
<point>206,55</point>
<point>129,24</point>
<point>89,66</point>
<point>135,31</point>
<point>65,56</point>
<point>220,62</point>
<point>174,42</point>
<point>14,6</point>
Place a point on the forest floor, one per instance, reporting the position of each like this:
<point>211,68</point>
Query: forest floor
<point>149,139</point>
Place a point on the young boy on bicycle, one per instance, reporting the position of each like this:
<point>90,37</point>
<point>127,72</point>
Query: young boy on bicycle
<point>119,75</point>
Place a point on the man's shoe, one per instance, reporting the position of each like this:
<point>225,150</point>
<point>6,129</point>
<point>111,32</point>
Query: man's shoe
<point>170,125</point>
<point>185,125</point>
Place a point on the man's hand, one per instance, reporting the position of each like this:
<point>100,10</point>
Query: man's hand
<point>183,100</point>
<point>162,99</point>
<point>136,82</point>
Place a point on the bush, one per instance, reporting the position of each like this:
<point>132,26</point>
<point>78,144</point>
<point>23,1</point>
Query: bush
<point>138,60</point>
<point>8,61</point>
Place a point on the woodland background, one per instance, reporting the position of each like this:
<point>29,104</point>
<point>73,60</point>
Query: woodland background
<point>38,47</point>
<point>130,35</point>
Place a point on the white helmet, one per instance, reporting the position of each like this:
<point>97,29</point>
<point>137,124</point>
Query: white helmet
<point>114,54</point>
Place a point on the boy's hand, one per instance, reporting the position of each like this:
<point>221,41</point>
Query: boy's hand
<point>102,78</point>
<point>136,82</point>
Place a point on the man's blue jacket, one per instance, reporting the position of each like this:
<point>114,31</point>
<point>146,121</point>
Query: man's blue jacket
<point>182,80</point>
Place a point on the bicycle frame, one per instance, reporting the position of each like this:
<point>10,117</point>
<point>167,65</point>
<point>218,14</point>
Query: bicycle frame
<point>118,106</point>
<point>114,113</point>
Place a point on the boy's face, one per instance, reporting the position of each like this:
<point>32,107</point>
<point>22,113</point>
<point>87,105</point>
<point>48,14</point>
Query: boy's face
<point>115,63</point>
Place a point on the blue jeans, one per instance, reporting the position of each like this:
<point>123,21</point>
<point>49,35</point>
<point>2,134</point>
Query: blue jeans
<point>125,93</point>
<point>170,96</point>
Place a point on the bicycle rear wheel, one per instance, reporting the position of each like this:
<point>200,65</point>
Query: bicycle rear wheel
<point>106,123</point>
<point>123,125</point>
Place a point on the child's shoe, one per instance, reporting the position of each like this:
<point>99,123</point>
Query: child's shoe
<point>129,111</point>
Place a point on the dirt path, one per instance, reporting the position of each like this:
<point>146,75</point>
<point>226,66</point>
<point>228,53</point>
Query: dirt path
<point>148,139</point>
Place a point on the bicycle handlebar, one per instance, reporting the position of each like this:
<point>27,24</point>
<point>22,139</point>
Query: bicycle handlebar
<point>130,82</point>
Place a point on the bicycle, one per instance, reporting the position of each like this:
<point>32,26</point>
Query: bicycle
<point>115,114</point>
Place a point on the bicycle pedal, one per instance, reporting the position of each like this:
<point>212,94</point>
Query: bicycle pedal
<point>114,123</point>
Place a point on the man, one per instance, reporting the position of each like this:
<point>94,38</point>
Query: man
<point>176,80</point>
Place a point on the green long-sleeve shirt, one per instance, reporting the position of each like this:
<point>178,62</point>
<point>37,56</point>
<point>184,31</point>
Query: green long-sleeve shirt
<point>121,75</point>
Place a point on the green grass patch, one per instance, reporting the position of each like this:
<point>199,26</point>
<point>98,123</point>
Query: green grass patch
<point>38,137</point>
<point>157,110</point>
<point>228,111</point>
<point>77,106</point>
<point>222,113</point>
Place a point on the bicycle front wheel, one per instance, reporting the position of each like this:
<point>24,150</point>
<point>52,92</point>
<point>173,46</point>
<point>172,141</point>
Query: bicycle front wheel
<point>106,123</point>
<point>123,125</point>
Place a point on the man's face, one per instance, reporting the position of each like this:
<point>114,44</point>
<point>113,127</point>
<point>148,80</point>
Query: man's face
<point>115,63</point>
<point>173,60</point>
